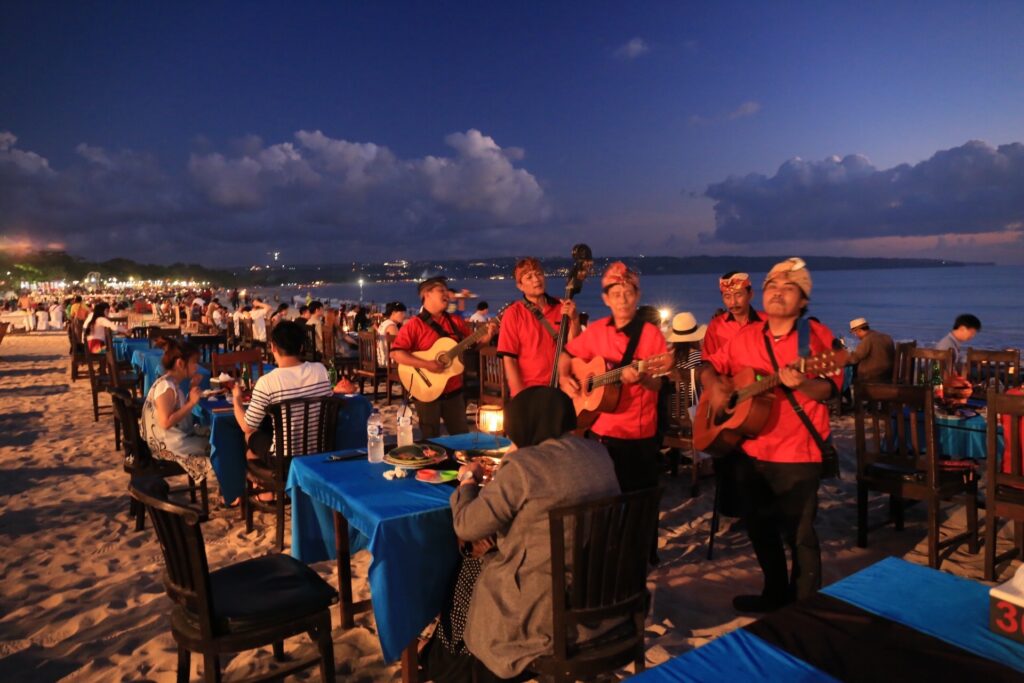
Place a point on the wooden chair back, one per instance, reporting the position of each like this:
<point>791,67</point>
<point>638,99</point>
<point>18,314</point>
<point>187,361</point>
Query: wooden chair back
<point>895,427</point>
<point>922,362</point>
<point>1004,495</point>
<point>305,425</point>
<point>993,368</point>
<point>154,333</point>
<point>599,552</point>
<point>186,572</point>
<point>246,333</point>
<point>901,362</point>
<point>310,353</point>
<point>136,451</point>
<point>232,362</point>
<point>368,365</point>
<point>493,385</point>
<point>209,345</point>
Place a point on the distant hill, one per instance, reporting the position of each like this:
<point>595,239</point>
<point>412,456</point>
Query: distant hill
<point>53,266</point>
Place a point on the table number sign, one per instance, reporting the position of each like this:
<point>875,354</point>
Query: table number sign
<point>1006,607</point>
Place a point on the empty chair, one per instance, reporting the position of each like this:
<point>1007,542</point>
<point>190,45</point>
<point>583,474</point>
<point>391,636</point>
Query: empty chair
<point>208,345</point>
<point>232,363</point>
<point>895,441</point>
<point>678,433</point>
<point>1004,495</point>
<point>901,362</point>
<point>139,461</point>
<point>301,426</point>
<point>310,351</point>
<point>922,364</point>
<point>369,370</point>
<point>493,385</point>
<point>998,369</point>
<point>122,375</point>
<point>77,350</point>
<point>599,554</point>
<point>239,607</point>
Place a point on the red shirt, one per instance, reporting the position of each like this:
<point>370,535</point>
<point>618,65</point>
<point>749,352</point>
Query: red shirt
<point>784,437</point>
<point>636,416</point>
<point>524,338</point>
<point>724,327</point>
<point>416,335</point>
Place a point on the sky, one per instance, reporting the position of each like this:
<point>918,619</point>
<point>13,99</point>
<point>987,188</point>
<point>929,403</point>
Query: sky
<point>344,131</point>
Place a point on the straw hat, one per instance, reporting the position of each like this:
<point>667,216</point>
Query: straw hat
<point>857,322</point>
<point>685,328</point>
<point>791,270</point>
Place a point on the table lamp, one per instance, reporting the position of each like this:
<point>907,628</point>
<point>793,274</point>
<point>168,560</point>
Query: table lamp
<point>491,419</point>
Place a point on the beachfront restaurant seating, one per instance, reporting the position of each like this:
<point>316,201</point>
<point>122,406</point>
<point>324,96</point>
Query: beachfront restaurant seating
<point>77,349</point>
<point>493,384</point>
<point>1004,496</point>
<point>122,376</point>
<point>208,345</point>
<point>302,426</point>
<point>232,363</point>
<point>392,372</point>
<point>369,370</point>
<point>601,574</point>
<point>139,461</point>
<point>896,455</point>
<point>154,333</point>
<point>310,354</point>
<point>922,363</point>
<point>901,362</point>
<point>238,607</point>
<point>993,368</point>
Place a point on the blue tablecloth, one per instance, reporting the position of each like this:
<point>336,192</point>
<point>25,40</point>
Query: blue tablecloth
<point>405,524</point>
<point>125,346</point>
<point>963,438</point>
<point>943,606</point>
<point>227,441</point>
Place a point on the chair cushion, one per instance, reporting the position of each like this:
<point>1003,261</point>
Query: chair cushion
<point>270,588</point>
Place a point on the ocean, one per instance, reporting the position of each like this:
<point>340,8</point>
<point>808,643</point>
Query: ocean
<point>917,303</point>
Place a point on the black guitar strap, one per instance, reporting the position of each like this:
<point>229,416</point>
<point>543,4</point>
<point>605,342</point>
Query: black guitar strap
<point>635,330</point>
<point>429,320</point>
<point>539,315</point>
<point>829,456</point>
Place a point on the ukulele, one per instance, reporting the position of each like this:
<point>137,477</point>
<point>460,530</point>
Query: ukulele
<point>601,389</point>
<point>750,403</point>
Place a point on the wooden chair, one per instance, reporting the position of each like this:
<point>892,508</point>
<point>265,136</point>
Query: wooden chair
<point>99,383</point>
<point>122,375</point>
<point>77,349</point>
<point>233,361</point>
<point>392,377</point>
<point>895,441</point>
<point>922,363</point>
<point>301,426</point>
<point>1004,495</point>
<point>678,434</point>
<point>154,333</point>
<point>208,345</point>
<point>3,330</point>
<point>310,353</point>
<point>139,461</point>
<point>369,370</point>
<point>599,552</point>
<point>239,607</point>
<point>493,385</point>
<point>993,368</point>
<point>901,362</point>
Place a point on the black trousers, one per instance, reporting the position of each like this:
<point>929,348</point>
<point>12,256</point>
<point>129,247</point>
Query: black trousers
<point>781,502</point>
<point>451,408</point>
<point>635,460</point>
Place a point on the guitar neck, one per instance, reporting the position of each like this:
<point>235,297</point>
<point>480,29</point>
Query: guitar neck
<point>768,383</point>
<point>473,338</point>
<point>615,376</point>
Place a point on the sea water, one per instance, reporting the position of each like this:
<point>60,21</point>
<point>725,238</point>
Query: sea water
<point>915,303</point>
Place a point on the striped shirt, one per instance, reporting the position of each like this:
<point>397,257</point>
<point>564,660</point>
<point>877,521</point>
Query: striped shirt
<point>306,380</point>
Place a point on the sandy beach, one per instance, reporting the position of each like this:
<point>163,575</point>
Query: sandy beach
<point>82,598</point>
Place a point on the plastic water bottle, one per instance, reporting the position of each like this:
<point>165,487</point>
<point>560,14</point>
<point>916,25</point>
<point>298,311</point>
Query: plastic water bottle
<point>375,437</point>
<point>404,430</point>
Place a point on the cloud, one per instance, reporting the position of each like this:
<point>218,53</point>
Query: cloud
<point>748,108</point>
<point>974,188</point>
<point>314,195</point>
<point>632,49</point>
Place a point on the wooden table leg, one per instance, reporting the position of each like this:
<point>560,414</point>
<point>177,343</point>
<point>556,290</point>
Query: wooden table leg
<point>410,662</point>
<point>344,570</point>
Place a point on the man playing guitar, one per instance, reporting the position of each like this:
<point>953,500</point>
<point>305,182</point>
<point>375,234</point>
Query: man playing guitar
<point>419,334</point>
<point>529,328</point>
<point>629,432</point>
<point>780,469</point>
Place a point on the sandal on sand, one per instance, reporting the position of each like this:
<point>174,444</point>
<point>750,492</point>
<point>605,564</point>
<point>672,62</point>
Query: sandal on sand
<point>233,504</point>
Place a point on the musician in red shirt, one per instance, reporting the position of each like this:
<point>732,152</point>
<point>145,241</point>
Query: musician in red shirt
<point>736,295</point>
<point>629,432</point>
<point>419,334</point>
<point>529,328</point>
<point>780,470</point>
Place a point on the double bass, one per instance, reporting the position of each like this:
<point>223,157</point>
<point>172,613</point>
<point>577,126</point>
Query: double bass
<point>583,262</point>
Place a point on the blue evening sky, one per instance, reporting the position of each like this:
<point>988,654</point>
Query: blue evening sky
<point>618,117</point>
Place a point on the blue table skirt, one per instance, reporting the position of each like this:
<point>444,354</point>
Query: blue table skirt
<point>124,347</point>
<point>964,438</point>
<point>943,606</point>
<point>227,441</point>
<point>405,524</point>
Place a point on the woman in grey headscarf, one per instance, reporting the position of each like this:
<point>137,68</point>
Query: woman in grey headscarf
<point>509,618</point>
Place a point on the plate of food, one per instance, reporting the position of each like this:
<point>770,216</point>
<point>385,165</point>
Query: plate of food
<point>432,476</point>
<point>471,454</point>
<point>415,456</point>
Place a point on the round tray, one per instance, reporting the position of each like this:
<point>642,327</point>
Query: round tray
<point>417,457</point>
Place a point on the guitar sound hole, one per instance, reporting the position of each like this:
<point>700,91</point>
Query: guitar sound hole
<point>733,400</point>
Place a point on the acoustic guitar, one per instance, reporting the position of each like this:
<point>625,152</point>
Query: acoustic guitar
<point>750,403</point>
<point>601,389</point>
<point>424,385</point>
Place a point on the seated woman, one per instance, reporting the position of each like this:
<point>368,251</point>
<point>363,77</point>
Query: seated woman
<point>167,414</point>
<point>94,333</point>
<point>508,624</point>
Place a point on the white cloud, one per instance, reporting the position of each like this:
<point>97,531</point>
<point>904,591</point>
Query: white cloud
<point>747,109</point>
<point>632,49</point>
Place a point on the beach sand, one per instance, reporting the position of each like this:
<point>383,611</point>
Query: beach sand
<point>81,596</point>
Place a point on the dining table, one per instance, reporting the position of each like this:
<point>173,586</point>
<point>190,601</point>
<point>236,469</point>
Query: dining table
<point>227,440</point>
<point>343,505</point>
<point>892,621</point>
<point>124,347</point>
<point>148,363</point>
